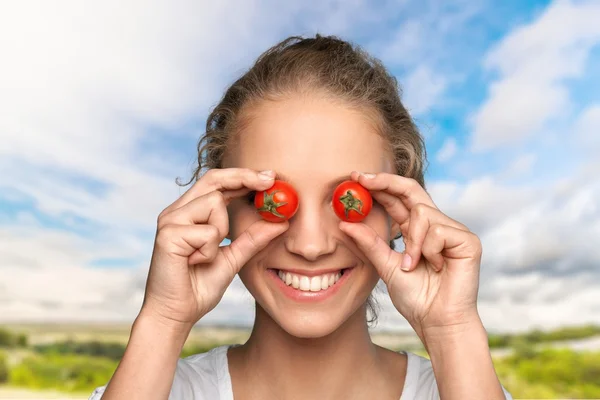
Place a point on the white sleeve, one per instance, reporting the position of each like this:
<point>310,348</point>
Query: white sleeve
<point>194,378</point>
<point>97,393</point>
<point>180,389</point>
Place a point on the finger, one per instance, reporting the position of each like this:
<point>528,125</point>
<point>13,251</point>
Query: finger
<point>444,242</point>
<point>385,260</point>
<point>208,209</point>
<point>197,243</point>
<point>422,217</point>
<point>251,241</point>
<point>237,180</point>
<point>408,190</point>
<point>394,207</point>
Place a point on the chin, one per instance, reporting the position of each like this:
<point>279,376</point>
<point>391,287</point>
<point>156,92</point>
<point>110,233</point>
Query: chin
<point>309,324</point>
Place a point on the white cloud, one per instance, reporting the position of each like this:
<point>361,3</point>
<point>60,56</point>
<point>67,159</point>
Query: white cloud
<point>53,281</point>
<point>406,46</point>
<point>533,63</point>
<point>46,277</point>
<point>422,89</point>
<point>538,246</point>
<point>447,151</point>
<point>422,49</point>
<point>587,129</point>
<point>481,202</point>
<point>520,166</point>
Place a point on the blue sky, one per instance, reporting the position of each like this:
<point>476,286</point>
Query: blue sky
<point>104,104</point>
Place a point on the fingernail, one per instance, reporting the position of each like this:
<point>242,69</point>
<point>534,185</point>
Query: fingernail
<point>406,261</point>
<point>368,176</point>
<point>266,175</point>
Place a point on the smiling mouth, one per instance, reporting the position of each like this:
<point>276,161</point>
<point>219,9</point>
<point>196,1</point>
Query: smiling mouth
<point>310,283</point>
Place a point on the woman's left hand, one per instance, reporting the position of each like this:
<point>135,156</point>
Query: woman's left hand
<point>434,282</point>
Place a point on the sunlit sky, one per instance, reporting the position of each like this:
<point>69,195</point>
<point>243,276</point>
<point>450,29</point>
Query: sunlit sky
<point>102,105</point>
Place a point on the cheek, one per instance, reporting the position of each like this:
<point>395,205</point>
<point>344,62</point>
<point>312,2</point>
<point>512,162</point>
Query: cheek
<point>380,221</point>
<point>241,215</point>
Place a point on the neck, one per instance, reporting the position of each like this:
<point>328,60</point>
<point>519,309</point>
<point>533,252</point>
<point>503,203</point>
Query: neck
<point>311,367</point>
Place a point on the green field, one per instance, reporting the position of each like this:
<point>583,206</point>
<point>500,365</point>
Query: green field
<point>69,361</point>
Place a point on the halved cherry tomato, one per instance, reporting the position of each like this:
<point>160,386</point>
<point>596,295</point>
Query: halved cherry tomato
<point>278,203</point>
<point>351,201</point>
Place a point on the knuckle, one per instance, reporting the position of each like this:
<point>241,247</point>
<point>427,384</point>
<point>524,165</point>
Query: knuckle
<point>161,215</point>
<point>437,230</point>
<point>160,220</point>
<point>212,233</point>
<point>390,267</point>
<point>412,182</point>
<point>211,174</point>
<point>252,239</point>
<point>477,245</point>
<point>409,237</point>
<point>389,201</point>
<point>216,199</point>
<point>210,251</point>
<point>209,178</point>
<point>374,242</point>
<point>166,233</point>
<point>163,220</point>
<point>248,172</point>
<point>420,210</point>
<point>231,260</point>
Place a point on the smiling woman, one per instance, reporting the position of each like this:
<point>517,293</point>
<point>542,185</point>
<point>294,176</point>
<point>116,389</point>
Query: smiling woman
<point>312,112</point>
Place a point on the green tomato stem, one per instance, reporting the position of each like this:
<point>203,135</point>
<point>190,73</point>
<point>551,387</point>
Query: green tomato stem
<point>351,203</point>
<point>269,205</point>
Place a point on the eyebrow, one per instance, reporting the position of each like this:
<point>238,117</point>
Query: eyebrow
<point>330,186</point>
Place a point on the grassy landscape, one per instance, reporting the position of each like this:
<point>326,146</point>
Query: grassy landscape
<point>69,361</point>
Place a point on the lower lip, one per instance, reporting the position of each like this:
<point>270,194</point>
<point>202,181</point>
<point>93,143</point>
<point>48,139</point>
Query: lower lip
<point>309,297</point>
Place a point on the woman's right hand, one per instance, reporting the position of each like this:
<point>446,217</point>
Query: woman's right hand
<point>189,272</point>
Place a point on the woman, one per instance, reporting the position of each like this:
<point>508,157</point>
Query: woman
<point>312,112</point>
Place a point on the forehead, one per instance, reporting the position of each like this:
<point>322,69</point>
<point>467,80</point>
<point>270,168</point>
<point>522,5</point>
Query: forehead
<point>310,137</point>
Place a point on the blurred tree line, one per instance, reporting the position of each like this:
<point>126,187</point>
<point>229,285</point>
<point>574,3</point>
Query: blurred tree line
<point>11,339</point>
<point>527,372</point>
<point>539,336</point>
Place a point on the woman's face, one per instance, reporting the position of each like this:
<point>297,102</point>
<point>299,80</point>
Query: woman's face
<point>315,144</point>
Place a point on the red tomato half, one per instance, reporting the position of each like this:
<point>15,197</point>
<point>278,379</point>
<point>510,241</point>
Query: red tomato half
<point>351,201</point>
<point>278,203</point>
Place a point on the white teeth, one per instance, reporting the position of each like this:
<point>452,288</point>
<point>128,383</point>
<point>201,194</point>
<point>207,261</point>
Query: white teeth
<point>304,283</point>
<point>324,282</point>
<point>315,283</point>
<point>312,284</point>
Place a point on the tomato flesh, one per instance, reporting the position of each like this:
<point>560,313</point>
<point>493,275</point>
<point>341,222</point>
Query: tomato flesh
<point>352,202</point>
<point>278,203</point>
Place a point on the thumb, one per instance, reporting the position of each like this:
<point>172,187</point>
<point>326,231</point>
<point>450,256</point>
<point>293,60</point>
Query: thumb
<point>251,241</point>
<point>386,261</point>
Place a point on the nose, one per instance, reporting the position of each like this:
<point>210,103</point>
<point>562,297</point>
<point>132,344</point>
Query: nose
<point>310,232</point>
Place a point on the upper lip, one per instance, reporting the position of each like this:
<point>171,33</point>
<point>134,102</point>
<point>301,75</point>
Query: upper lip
<point>311,272</point>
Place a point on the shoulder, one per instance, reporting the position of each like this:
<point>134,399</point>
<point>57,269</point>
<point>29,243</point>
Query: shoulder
<point>420,383</point>
<point>199,377</point>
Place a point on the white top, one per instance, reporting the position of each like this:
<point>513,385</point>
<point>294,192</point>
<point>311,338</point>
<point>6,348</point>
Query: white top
<point>205,376</point>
